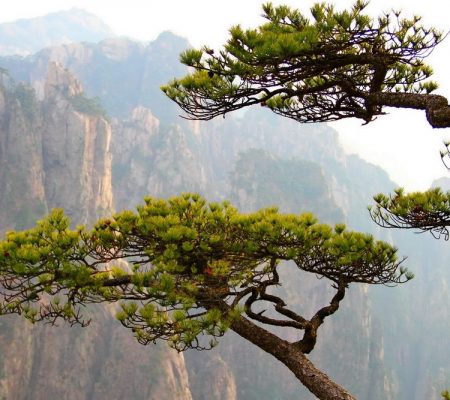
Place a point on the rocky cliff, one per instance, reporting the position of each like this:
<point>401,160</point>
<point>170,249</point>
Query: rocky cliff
<point>153,159</point>
<point>99,362</point>
<point>22,190</point>
<point>154,155</point>
<point>55,152</point>
<point>76,144</point>
<point>52,155</point>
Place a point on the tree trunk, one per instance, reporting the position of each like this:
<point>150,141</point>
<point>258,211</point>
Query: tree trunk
<point>290,355</point>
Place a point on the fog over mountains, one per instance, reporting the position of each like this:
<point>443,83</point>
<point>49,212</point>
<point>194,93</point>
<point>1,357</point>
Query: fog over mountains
<point>84,126</point>
<point>27,36</point>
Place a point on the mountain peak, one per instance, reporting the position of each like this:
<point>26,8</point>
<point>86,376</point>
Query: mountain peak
<point>168,39</point>
<point>27,36</point>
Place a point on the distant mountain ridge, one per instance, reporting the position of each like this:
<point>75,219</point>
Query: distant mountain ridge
<point>122,72</point>
<point>27,36</point>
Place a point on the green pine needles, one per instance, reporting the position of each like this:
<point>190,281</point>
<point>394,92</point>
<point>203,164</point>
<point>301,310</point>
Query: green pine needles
<point>184,269</point>
<point>334,65</point>
<point>423,211</point>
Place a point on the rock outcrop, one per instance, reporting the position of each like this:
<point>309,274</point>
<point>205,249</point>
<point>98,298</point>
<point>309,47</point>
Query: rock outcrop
<point>22,193</point>
<point>76,146</point>
<point>56,153</point>
<point>51,154</point>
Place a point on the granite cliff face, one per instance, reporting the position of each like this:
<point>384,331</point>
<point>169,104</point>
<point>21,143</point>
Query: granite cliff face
<point>99,362</point>
<point>122,73</point>
<point>51,154</point>
<point>76,146</point>
<point>21,173</point>
<point>55,152</point>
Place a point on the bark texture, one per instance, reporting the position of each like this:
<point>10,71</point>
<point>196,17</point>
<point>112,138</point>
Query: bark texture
<point>291,356</point>
<point>312,378</point>
<point>436,106</point>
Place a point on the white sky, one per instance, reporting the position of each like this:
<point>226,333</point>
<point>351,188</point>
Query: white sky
<point>402,142</point>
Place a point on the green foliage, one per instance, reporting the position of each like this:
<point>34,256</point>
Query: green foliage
<point>191,265</point>
<point>310,69</point>
<point>26,97</point>
<point>293,185</point>
<point>423,211</point>
<point>445,395</point>
<point>86,105</point>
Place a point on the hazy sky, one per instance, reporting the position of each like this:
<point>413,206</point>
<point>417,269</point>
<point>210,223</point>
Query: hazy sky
<point>402,142</point>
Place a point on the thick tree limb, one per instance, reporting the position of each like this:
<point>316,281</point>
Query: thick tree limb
<point>436,106</point>
<point>306,345</point>
<point>314,380</point>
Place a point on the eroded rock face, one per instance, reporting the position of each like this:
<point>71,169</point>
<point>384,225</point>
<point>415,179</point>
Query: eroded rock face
<point>76,147</point>
<point>151,160</point>
<point>213,380</point>
<point>102,361</point>
<point>55,153</point>
<point>52,155</point>
<point>22,193</point>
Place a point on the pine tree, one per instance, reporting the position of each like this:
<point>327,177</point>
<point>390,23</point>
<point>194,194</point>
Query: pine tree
<point>339,64</point>
<point>195,270</point>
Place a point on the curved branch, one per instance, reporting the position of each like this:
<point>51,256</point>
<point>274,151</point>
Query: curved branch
<point>423,211</point>
<point>307,343</point>
<point>296,321</point>
<point>436,106</point>
<point>290,355</point>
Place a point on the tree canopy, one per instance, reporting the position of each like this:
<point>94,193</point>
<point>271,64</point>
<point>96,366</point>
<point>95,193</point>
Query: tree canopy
<point>335,65</point>
<point>193,269</point>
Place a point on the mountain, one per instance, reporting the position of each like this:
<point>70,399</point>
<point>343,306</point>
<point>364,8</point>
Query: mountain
<point>53,155</point>
<point>55,152</point>
<point>443,183</point>
<point>122,73</point>
<point>85,127</point>
<point>154,157</point>
<point>26,36</point>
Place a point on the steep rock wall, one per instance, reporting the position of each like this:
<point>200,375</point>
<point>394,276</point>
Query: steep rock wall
<point>51,154</point>
<point>56,153</point>
<point>22,194</point>
<point>76,151</point>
